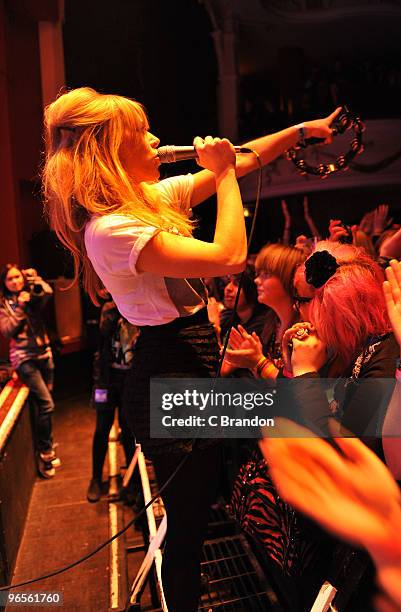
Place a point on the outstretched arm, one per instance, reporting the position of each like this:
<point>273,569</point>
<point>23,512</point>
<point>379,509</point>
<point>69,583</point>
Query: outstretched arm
<point>269,148</point>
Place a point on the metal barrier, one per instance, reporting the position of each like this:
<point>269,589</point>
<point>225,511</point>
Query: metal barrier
<point>156,535</point>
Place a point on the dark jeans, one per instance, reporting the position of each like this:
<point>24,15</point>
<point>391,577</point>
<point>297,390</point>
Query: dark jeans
<point>104,422</point>
<point>187,500</point>
<point>38,376</point>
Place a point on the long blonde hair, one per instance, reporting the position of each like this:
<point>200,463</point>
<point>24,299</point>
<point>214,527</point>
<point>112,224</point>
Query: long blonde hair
<point>83,173</point>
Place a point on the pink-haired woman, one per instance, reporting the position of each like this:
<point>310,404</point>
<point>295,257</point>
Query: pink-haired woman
<point>343,360</point>
<point>345,336</point>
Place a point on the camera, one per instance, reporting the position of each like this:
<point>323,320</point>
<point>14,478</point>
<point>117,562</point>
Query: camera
<point>348,238</point>
<point>35,289</point>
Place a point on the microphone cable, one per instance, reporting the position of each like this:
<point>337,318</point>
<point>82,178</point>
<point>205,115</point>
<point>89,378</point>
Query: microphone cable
<point>249,243</point>
<point>90,554</point>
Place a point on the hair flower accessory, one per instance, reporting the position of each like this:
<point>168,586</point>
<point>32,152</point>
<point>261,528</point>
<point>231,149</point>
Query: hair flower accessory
<point>319,267</point>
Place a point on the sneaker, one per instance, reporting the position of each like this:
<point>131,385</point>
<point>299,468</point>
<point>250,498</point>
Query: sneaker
<point>45,466</point>
<point>56,461</point>
<point>52,458</point>
<point>94,492</point>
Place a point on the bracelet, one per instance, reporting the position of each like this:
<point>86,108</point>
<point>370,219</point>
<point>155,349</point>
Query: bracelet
<point>269,368</point>
<point>260,365</point>
<point>301,133</point>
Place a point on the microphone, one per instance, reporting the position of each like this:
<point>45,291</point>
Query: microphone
<point>171,153</point>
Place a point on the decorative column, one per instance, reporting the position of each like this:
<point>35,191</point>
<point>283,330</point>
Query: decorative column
<point>224,37</point>
<point>52,56</point>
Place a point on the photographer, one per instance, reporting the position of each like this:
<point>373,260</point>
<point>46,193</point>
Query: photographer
<point>23,296</point>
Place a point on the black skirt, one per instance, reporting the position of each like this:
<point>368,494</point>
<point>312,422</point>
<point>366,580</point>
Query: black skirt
<point>185,348</point>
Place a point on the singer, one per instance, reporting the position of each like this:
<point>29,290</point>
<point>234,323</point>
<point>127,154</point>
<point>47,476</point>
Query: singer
<point>132,234</point>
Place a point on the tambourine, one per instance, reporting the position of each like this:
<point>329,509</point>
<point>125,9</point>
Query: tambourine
<point>345,120</point>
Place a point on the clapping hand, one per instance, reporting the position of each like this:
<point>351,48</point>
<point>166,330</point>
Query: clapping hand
<point>245,349</point>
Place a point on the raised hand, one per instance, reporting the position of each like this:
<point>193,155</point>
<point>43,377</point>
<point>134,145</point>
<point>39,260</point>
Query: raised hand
<point>286,213</point>
<point>304,244</point>
<point>380,219</point>
<point>309,220</point>
<point>328,486</point>
<point>366,223</point>
<point>336,230</point>
<point>392,294</point>
<point>305,203</point>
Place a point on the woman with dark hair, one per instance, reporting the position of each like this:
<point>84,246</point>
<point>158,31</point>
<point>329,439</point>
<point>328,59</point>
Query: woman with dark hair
<point>132,234</point>
<point>250,313</point>
<point>23,296</point>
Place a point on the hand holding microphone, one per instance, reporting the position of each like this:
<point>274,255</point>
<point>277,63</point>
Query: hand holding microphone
<point>171,153</point>
<point>214,154</point>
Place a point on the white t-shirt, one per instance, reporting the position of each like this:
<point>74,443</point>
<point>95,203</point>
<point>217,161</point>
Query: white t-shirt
<point>113,243</point>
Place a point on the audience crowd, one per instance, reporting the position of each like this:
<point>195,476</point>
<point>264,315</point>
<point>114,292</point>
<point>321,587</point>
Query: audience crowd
<point>315,310</point>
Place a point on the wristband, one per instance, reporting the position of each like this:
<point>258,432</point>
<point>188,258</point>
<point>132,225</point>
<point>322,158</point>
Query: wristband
<point>301,136</point>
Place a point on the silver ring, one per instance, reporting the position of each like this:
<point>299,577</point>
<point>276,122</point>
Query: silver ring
<point>301,333</point>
